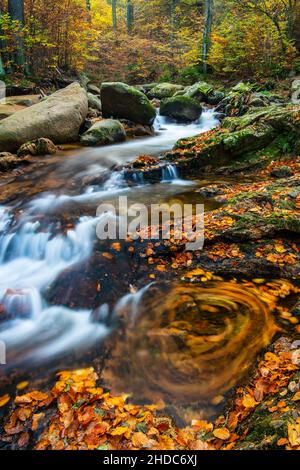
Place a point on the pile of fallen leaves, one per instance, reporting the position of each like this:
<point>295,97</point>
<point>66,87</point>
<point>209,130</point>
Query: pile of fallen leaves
<point>78,414</point>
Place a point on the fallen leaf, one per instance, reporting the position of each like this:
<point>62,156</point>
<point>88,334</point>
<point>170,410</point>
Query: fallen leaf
<point>4,400</point>
<point>222,433</point>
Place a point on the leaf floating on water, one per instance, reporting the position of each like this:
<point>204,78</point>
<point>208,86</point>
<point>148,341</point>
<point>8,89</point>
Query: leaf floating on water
<point>22,385</point>
<point>4,399</point>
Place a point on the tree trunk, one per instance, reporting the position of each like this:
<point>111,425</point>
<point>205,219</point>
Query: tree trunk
<point>2,69</point>
<point>88,5</point>
<point>16,12</point>
<point>208,19</point>
<point>129,16</point>
<point>114,14</point>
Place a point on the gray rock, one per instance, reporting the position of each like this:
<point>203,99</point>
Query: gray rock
<point>58,118</point>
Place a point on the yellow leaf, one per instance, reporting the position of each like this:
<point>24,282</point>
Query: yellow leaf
<point>22,385</point>
<point>119,431</point>
<point>280,249</point>
<point>222,433</point>
<point>4,399</point>
<point>294,434</point>
<point>248,401</point>
<point>296,397</point>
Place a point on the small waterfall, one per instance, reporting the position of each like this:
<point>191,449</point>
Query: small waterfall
<point>169,173</point>
<point>138,178</point>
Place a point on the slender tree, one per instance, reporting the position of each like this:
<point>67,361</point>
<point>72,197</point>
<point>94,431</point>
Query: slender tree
<point>16,12</point>
<point>88,5</point>
<point>114,14</point>
<point>129,16</point>
<point>2,69</point>
<point>208,19</point>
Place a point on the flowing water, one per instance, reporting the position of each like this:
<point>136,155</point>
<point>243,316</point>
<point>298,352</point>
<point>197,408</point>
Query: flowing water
<point>49,305</point>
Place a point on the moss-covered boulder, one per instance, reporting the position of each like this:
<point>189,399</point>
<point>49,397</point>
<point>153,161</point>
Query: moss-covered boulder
<point>165,90</point>
<point>107,131</point>
<point>181,108</point>
<point>123,101</point>
<point>243,99</point>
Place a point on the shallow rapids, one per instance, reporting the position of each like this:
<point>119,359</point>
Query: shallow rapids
<point>54,231</point>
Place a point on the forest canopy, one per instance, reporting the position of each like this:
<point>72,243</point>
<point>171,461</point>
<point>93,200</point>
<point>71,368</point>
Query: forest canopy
<point>138,41</point>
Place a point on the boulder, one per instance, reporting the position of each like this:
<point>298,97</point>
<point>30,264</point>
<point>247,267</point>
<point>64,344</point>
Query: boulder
<point>58,117</point>
<point>124,101</point>
<point>107,131</point>
<point>199,91</point>
<point>165,90</point>
<point>40,146</point>
<point>94,102</point>
<point>182,108</point>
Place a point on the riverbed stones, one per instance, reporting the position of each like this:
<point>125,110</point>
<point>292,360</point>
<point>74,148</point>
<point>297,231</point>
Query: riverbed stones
<point>123,101</point>
<point>58,117</point>
<point>295,90</point>
<point>94,89</point>
<point>40,146</point>
<point>104,132</point>
<point>8,161</point>
<point>181,108</point>
<point>94,102</point>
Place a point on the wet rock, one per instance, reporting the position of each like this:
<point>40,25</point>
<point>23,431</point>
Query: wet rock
<point>136,130</point>
<point>282,172</point>
<point>144,160</point>
<point>181,108</point>
<point>104,132</point>
<point>58,117</point>
<point>8,161</point>
<point>38,147</point>
<point>123,101</point>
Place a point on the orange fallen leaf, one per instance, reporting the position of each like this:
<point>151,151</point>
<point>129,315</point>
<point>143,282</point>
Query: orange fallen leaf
<point>222,433</point>
<point>140,440</point>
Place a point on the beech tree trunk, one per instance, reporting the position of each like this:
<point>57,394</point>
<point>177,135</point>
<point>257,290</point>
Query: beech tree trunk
<point>129,16</point>
<point>16,12</point>
<point>208,19</point>
<point>114,14</point>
